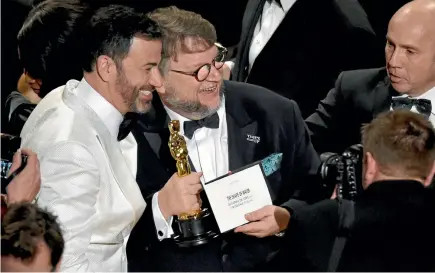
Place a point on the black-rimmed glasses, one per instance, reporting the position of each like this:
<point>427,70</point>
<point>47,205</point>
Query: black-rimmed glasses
<point>202,73</point>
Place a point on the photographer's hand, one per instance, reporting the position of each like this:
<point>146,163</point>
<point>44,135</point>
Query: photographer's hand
<point>25,186</point>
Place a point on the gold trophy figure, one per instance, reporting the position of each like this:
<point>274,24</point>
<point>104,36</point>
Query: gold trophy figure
<point>178,148</point>
<point>195,227</point>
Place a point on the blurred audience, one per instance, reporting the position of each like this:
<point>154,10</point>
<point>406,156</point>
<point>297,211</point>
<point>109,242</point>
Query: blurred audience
<point>49,47</point>
<point>297,48</point>
<point>407,81</point>
<point>31,240</point>
<point>392,227</point>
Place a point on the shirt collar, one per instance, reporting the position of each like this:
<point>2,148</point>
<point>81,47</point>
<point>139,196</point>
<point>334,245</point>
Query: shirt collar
<point>175,116</point>
<point>287,4</point>
<point>429,95</point>
<point>110,116</point>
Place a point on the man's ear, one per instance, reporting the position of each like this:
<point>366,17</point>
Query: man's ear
<point>105,67</point>
<point>428,181</point>
<point>157,80</point>
<point>371,168</point>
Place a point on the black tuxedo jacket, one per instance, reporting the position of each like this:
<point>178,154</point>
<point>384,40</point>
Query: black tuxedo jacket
<point>392,231</point>
<point>249,110</point>
<point>316,40</point>
<point>358,97</point>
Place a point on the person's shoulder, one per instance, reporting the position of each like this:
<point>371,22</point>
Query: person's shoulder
<point>352,14</point>
<point>52,122</point>
<point>258,96</point>
<point>321,213</point>
<point>362,78</point>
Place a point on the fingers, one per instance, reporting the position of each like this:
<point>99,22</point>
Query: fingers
<point>257,229</point>
<point>194,178</point>
<point>259,214</point>
<point>32,158</point>
<point>16,162</point>
<point>182,194</point>
<point>194,189</point>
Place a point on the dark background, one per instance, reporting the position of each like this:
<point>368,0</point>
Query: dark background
<point>226,15</point>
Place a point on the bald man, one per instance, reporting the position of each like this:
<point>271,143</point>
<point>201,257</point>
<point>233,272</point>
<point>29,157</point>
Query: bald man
<point>407,81</point>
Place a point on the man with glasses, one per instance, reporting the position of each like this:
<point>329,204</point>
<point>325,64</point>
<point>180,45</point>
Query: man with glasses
<point>226,125</point>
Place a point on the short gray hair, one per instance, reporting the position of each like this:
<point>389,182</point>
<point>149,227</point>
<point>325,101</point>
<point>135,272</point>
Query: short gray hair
<point>182,31</point>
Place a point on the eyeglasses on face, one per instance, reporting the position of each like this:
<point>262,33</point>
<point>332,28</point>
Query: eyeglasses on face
<point>202,73</point>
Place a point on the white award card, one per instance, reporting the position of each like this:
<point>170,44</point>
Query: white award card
<point>235,195</point>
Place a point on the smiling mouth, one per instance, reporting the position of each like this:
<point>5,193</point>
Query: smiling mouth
<point>210,89</point>
<point>145,95</point>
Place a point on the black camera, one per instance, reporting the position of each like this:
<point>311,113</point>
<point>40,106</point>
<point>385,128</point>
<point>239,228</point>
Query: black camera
<point>345,170</point>
<point>9,145</point>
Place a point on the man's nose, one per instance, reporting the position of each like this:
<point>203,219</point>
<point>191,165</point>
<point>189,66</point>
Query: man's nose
<point>215,75</point>
<point>395,59</point>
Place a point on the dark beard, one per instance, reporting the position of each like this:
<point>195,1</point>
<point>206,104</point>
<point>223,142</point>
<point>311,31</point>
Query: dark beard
<point>128,92</point>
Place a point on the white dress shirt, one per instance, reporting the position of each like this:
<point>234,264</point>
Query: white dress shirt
<point>269,21</point>
<point>429,95</point>
<point>208,151</point>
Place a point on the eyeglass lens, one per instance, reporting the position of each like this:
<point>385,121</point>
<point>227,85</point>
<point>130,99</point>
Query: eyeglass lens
<point>204,71</point>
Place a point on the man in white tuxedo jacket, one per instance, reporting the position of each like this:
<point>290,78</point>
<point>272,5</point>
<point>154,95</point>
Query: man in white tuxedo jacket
<point>88,177</point>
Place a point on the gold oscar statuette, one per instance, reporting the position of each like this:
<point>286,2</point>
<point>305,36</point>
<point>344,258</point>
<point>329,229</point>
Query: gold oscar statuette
<point>178,148</point>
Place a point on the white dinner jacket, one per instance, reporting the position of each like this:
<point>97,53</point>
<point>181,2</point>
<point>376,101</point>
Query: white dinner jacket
<point>97,214</point>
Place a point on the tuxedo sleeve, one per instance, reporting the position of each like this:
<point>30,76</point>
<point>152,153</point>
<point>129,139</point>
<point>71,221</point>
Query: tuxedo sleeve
<point>70,185</point>
<point>324,123</point>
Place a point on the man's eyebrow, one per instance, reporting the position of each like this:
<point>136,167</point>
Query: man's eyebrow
<point>198,65</point>
<point>407,46</point>
<point>152,64</point>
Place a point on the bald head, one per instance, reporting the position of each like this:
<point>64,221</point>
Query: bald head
<point>410,48</point>
<point>420,12</point>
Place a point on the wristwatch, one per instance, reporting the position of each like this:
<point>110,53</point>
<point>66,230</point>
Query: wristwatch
<point>280,234</point>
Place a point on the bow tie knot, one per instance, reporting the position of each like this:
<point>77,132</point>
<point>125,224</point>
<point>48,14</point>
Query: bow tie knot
<point>192,125</point>
<point>127,124</point>
<point>423,106</point>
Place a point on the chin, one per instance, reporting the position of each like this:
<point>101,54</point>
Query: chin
<point>401,87</point>
<point>141,108</point>
<point>213,105</point>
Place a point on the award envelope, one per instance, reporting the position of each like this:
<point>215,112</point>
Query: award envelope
<point>245,190</point>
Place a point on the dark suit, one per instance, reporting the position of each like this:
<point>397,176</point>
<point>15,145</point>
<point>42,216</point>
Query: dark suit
<point>249,110</point>
<point>316,40</point>
<point>18,109</point>
<point>357,98</point>
<point>393,231</point>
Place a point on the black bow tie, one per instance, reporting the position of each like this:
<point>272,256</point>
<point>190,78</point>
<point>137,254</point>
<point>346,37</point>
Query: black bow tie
<point>126,125</point>
<point>191,126</point>
<point>423,106</point>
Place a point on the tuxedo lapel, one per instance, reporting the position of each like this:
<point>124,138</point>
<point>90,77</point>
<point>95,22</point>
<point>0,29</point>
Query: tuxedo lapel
<point>152,135</point>
<point>243,133</point>
<point>121,172</point>
<point>253,13</point>
<point>293,23</point>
